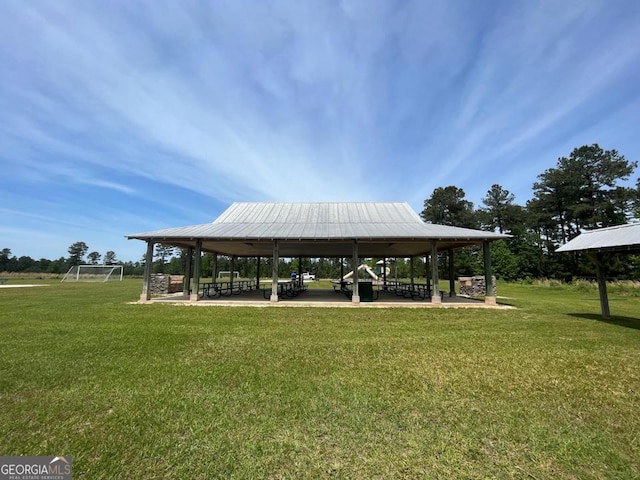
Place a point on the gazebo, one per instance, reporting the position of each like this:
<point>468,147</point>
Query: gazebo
<point>313,230</point>
<point>597,244</point>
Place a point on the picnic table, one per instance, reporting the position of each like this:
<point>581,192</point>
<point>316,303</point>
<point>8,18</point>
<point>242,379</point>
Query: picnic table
<point>226,289</point>
<point>415,291</point>
<point>286,288</point>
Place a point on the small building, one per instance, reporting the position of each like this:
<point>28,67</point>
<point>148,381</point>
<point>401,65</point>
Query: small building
<point>313,230</point>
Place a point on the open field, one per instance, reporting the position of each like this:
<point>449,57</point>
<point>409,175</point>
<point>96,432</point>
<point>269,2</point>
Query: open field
<point>156,391</point>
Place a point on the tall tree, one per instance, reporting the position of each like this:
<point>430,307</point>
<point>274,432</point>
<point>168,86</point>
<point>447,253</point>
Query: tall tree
<point>77,251</point>
<point>5,255</point>
<point>448,206</point>
<point>110,258</point>
<point>582,192</point>
<point>162,253</point>
<point>94,258</point>
<point>499,209</point>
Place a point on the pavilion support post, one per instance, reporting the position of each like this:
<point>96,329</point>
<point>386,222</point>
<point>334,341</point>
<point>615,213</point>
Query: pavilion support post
<point>427,273</point>
<point>187,274</point>
<point>602,285</point>
<point>214,267</point>
<point>258,261</point>
<point>300,269</point>
<point>232,266</point>
<point>489,297</point>
<point>197,260</point>
<point>355,299</point>
<point>341,270</point>
<point>435,296</point>
<point>411,266</point>
<point>274,272</point>
<point>384,273</point>
<point>145,296</point>
<point>452,281</point>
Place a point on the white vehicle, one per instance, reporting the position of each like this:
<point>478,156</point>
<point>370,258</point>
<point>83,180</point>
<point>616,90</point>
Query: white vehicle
<point>308,276</point>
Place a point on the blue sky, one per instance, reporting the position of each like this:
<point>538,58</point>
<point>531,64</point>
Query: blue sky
<point>122,117</point>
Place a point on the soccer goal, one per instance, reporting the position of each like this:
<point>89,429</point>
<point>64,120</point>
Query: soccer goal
<point>93,273</point>
<point>227,274</point>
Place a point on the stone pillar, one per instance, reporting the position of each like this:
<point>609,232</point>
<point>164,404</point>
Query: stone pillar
<point>148,267</point>
<point>197,258</point>
<point>435,296</point>
<point>274,272</point>
<point>187,274</point>
<point>355,299</point>
<point>489,297</point>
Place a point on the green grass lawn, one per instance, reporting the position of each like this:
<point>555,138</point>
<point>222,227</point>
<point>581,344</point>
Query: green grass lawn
<point>158,391</point>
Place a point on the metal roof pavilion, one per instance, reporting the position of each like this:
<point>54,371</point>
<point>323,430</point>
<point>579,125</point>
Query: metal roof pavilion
<point>319,230</point>
<point>597,244</point>
<point>619,239</point>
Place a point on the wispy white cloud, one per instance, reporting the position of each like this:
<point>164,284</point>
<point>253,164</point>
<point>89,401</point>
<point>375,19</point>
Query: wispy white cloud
<point>140,103</point>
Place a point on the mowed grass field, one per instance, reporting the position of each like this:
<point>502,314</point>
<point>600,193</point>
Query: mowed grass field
<point>547,390</point>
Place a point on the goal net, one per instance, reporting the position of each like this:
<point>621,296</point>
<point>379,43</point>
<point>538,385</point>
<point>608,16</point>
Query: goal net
<point>93,273</point>
<point>227,274</point>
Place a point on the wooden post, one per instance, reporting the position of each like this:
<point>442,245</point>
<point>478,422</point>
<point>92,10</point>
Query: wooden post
<point>427,275</point>
<point>411,265</point>
<point>148,268</point>
<point>214,268</point>
<point>356,294</point>
<point>341,270</point>
<point>489,297</point>
<point>258,272</point>
<point>300,270</point>
<point>187,274</point>
<point>232,266</point>
<point>274,272</point>
<point>197,258</point>
<point>452,281</point>
<point>435,296</point>
<point>602,285</point>
<point>384,273</point>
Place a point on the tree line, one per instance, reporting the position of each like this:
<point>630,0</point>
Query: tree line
<point>583,191</point>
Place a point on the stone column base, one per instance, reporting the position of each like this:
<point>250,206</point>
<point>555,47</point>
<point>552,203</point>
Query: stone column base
<point>436,298</point>
<point>274,298</point>
<point>194,297</point>
<point>490,300</point>
<point>144,297</point>
<point>355,299</point>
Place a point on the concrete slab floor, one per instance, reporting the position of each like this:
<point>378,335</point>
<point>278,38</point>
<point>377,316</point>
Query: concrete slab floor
<point>321,299</point>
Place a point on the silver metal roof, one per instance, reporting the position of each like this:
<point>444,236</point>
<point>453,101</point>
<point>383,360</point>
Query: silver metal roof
<point>621,238</point>
<point>314,223</point>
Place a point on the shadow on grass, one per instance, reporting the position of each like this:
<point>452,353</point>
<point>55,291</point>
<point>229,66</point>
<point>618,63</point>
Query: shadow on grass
<point>628,322</point>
